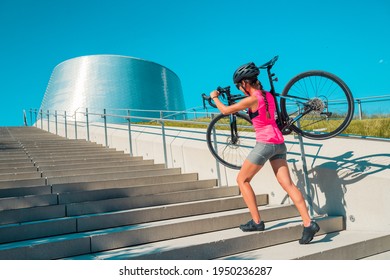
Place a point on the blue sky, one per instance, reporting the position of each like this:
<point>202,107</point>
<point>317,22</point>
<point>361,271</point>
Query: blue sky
<point>202,41</point>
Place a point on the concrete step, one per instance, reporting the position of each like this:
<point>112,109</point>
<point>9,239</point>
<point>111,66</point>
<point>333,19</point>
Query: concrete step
<point>84,160</point>
<point>99,170</point>
<point>9,157</point>
<point>28,201</point>
<point>15,152</point>
<point>7,170</point>
<point>197,245</point>
<point>136,185</point>
<point>24,190</point>
<point>24,209</point>
<point>134,191</point>
<point>74,153</point>
<point>16,165</point>
<point>23,215</point>
<point>87,165</point>
<point>14,162</point>
<point>79,157</point>
<point>343,245</point>
<point>163,193</point>
<point>148,180</point>
<point>63,149</point>
<point>113,176</point>
<point>94,241</point>
<point>380,256</point>
<point>29,230</point>
<point>7,184</point>
<point>19,176</point>
<point>126,203</point>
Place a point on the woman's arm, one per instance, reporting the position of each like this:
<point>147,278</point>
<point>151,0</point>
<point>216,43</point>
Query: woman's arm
<point>226,110</point>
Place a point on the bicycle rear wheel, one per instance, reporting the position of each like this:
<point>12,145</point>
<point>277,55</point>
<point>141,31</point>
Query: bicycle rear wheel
<point>230,138</point>
<point>328,99</point>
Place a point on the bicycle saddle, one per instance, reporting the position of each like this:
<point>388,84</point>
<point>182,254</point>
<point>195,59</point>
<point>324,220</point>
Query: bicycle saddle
<point>269,63</point>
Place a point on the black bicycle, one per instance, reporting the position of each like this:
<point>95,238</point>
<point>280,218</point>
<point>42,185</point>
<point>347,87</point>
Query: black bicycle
<point>314,104</point>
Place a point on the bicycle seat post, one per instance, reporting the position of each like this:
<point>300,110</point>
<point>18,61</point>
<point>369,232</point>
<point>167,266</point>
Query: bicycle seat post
<point>271,80</point>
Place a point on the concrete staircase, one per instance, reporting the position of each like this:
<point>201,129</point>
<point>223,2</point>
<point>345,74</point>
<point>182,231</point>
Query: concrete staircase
<point>72,199</point>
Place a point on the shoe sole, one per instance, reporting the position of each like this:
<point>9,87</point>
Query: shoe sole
<point>249,230</point>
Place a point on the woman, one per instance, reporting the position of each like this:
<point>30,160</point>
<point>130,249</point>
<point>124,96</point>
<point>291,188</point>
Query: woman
<point>269,146</point>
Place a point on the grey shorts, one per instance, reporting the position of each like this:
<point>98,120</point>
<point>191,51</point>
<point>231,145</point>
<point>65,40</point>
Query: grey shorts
<point>263,152</point>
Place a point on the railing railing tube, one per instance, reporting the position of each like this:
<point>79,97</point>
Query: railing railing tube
<point>41,113</point>
<point>48,120</point>
<point>66,126</point>
<point>56,123</point>
<point>75,125</point>
<point>163,138</point>
<point>36,117</point>
<point>359,102</point>
<point>130,140</point>
<point>306,174</point>
<point>31,118</point>
<point>105,127</point>
<point>216,149</point>
<point>87,122</point>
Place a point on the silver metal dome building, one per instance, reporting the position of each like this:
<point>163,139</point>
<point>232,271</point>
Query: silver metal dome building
<point>100,82</point>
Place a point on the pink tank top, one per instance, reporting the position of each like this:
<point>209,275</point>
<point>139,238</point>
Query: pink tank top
<point>267,130</point>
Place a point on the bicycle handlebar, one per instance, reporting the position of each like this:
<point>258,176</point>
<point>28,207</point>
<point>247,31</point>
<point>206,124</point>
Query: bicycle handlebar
<point>223,91</point>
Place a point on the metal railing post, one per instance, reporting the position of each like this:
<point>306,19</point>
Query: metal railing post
<point>36,117</point>
<point>41,113</point>
<point>130,140</point>
<point>216,149</point>
<point>305,174</point>
<point>31,118</point>
<point>48,121</point>
<point>66,126</point>
<point>56,117</point>
<point>75,124</point>
<point>87,121</point>
<point>359,102</point>
<point>163,138</point>
<point>105,127</point>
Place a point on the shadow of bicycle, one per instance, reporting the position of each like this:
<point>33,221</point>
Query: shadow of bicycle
<point>333,177</point>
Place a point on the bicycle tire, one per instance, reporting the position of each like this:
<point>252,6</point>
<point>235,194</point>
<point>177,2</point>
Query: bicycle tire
<point>328,94</point>
<point>219,142</point>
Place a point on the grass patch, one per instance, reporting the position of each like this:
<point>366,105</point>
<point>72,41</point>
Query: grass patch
<point>373,127</point>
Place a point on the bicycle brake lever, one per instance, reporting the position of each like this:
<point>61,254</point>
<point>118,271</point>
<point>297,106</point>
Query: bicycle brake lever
<point>204,96</point>
<point>209,99</point>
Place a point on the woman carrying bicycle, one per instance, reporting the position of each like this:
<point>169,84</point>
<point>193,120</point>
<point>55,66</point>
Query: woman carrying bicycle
<point>269,146</point>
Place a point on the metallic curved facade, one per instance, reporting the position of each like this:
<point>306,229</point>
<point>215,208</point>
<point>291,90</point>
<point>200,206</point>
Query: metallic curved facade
<point>100,82</point>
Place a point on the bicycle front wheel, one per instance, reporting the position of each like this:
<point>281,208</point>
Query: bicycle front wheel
<point>319,103</point>
<point>230,138</point>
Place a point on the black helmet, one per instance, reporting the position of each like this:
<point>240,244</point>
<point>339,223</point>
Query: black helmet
<point>246,71</point>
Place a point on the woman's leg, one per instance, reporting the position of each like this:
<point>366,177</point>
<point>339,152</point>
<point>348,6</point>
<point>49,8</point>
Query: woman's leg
<point>247,172</point>
<point>282,174</point>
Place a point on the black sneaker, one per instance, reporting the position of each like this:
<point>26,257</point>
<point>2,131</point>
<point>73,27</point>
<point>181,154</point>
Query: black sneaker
<point>252,226</point>
<point>309,232</point>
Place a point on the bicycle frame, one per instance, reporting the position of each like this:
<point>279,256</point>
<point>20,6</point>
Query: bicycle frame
<point>283,122</point>
<point>310,112</point>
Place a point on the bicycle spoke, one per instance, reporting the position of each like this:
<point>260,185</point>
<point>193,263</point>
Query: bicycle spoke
<point>329,107</point>
<point>228,152</point>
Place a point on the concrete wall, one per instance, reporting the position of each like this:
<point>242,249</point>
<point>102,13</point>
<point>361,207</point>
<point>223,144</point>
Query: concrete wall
<point>349,177</point>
